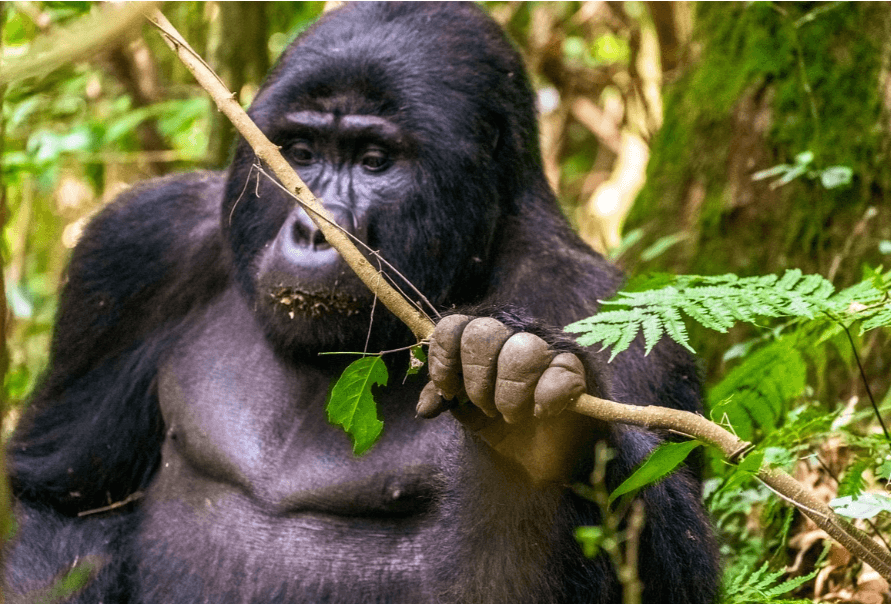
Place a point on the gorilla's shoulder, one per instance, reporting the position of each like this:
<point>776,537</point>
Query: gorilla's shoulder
<point>158,241</point>
<point>151,227</point>
<point>172,206</point>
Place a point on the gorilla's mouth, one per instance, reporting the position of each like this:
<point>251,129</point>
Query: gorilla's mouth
<point>315,305</point>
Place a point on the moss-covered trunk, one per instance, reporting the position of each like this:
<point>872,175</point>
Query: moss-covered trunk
<point>766,84</point>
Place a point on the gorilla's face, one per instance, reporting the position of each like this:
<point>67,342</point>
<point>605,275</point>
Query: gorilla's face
<point>361,167</point>
<point>355,163</point>
<point>416,158</point>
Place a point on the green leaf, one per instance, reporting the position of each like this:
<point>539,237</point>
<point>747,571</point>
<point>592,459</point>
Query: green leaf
<point>661,246</point>
<point>746,469</point>
<point>836,176</point>
<point>662,461</point>
<point>852,483</point>
<point>351,404</point>
<point>757,390</point>
<point>867,505</point>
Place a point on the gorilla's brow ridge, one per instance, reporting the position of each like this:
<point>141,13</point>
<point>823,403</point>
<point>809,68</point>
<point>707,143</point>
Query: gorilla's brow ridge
<point>351,124</point>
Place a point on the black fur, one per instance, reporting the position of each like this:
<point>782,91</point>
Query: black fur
<point>185,368</point>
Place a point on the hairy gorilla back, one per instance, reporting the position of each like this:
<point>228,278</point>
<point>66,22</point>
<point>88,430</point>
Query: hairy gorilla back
<point>179,437</point>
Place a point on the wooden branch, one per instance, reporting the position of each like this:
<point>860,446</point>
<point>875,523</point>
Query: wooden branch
<point>785,486</point>
<point>80,40</point>
<point>682,422</point>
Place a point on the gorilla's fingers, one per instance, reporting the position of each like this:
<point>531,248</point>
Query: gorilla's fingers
<point>445,355</point>
<point>430,403</point>
<point>522,360</point>
<point>561,383</point>
<point>480,345</point>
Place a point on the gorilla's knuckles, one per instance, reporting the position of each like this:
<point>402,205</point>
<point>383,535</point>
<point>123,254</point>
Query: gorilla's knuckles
<point>516,375</point>
<point>481,344</point>
<point>445,355</point>
<point>522,360</point>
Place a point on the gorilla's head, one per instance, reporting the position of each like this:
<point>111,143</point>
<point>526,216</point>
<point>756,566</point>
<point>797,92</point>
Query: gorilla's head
<point>415,124</point>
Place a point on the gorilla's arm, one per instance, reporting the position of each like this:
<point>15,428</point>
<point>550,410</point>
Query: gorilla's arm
<point>92,432</point>
<point>558,282</point>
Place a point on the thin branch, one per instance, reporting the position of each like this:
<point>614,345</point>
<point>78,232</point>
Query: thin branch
<point>683,422</point>
<point>80,40</point>
<point>696,426</point>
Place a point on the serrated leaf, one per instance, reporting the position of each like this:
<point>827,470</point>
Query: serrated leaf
<point>701,315</point>
<point>757,390</point>
<point>351,404</point>
<point>811,284</point>
<point>652,330</point>
<point>624,340</point>
<point>880,319</point>
<point>675,328</point>
<point>719,313</point>
<point>661,462</point>
<point>789,279</point>
<point>597,333</point>
<point>853,483</point>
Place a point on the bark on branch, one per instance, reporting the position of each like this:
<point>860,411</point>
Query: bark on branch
<point>682,422</point>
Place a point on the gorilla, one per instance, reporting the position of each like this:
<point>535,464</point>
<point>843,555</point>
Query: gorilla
<point>179,443</point>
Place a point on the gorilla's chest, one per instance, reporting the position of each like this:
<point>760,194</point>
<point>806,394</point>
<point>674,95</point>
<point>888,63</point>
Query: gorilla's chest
<point>267,490</point>
<point>244,420</point>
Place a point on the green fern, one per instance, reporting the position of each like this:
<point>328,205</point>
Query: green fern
<point>755,393</point>
<point>762,586</point>
<point>720,302</point>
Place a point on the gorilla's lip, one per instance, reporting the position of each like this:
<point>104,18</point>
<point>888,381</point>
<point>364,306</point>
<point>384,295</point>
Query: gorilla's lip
<point>298,301</point>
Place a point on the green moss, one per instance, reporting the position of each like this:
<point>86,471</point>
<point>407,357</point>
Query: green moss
<point>768,57</point>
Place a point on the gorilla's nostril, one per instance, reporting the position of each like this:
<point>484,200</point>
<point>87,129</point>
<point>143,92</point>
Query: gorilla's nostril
<point>319,242</point>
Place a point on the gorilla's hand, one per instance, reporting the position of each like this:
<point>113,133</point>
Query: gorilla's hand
<point>518,387</point>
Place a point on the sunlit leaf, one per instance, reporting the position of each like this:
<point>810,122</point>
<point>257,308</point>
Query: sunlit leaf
<point>351,404</point>
<point>867,505</point>
<point>836,176</point>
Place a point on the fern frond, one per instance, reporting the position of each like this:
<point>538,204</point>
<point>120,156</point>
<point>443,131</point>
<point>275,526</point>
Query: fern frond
<point>717,302</point>
<point>881,318</point>
<point>754,393</point>
<point>762,586</point>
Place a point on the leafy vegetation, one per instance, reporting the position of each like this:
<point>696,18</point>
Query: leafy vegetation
<point>766,398</point>
<point>773,154</point>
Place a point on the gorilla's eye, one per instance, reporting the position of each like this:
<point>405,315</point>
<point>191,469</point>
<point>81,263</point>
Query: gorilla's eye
<point>302,153</point>
<point>375,159</point>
